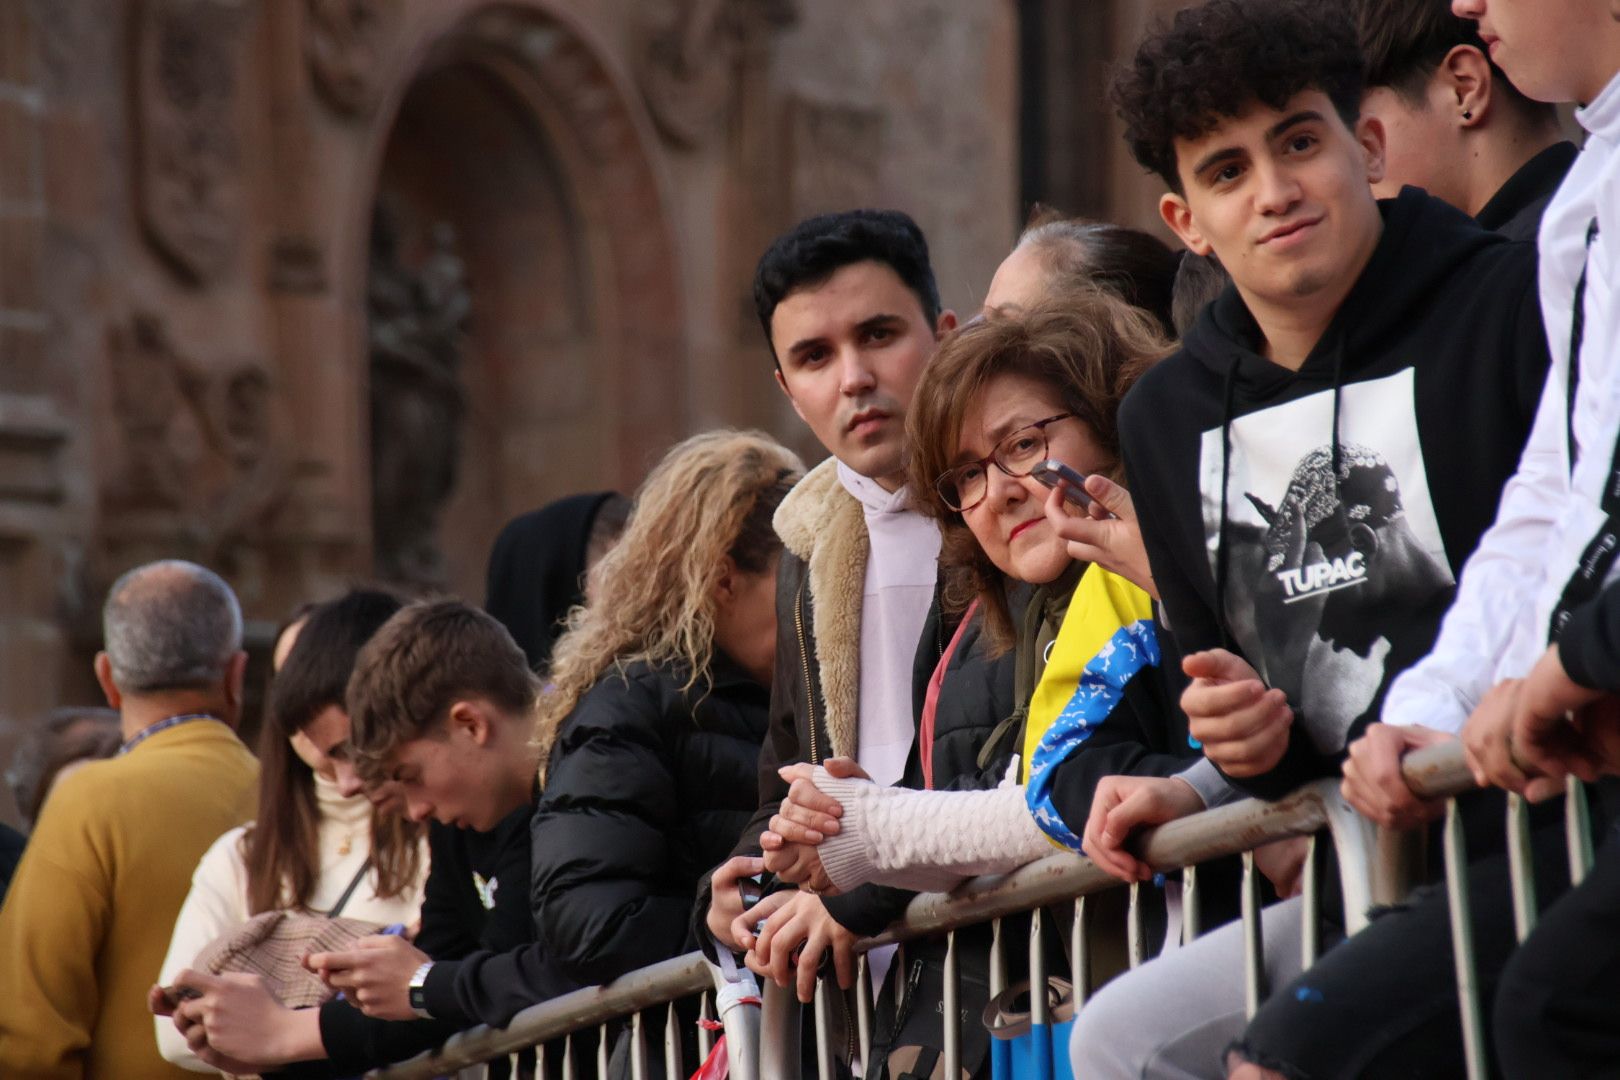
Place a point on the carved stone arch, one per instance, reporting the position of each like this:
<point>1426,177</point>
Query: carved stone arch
<point>508,123</point>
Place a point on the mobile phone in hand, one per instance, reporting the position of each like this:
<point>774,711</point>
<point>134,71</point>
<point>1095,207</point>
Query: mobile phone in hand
<point>1073,485</point>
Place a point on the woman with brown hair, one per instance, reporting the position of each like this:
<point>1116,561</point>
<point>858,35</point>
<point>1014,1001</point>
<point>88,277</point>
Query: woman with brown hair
<point>1002,395</point>
<point>319,846</point>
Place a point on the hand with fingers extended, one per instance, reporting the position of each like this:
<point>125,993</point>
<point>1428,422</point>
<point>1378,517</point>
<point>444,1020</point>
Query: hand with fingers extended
<point>236,1025</point>
<point>1105,533</point>
<point>1560,728</point>
<point>791,946</point>
<point>1242,725</point>
<point>374,975</point>
<point>1373,783</point>
<point>803,820</point>
<point>1123,805</point>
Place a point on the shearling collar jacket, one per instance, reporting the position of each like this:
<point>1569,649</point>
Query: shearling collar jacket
<point>815,693</point>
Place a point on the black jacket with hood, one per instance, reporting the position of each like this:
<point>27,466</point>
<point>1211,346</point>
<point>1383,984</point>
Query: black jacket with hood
<point>1315,521</point>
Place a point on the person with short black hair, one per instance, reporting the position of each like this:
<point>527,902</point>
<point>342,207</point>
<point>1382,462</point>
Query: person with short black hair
<point>1454,123</point>
<point>1312,470</point>
<point>851,315</point>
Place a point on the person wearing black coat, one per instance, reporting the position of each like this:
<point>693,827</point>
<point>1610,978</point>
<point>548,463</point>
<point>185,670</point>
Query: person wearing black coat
<point>648,784</point>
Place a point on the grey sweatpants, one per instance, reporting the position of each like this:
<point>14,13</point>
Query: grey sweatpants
<point>1171,1018</point>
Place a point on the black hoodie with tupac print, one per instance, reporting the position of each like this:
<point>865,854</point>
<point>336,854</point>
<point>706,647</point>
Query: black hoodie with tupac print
<point>1315,522</point>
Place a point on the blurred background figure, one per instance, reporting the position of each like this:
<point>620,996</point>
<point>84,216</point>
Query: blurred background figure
<point>539,565</point>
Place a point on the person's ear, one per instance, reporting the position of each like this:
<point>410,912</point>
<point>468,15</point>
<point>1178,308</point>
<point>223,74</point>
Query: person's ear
<point>235,680</point>
<point>1370,135</point>
<point>1468,80</point>
<point>1174,210</point>
<point>781,383</point>
<point>469,718</point>
<point>726,586</point>
<point>104,678</point>
<point>947,322</point>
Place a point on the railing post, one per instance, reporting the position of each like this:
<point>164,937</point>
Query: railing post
<point>951,1017</point>
<point>1040,1011</point>
<point>778,1046</point>
<point>863,1008</point>
<point>1354,842</point>
<point>1134,934</point>
<point>824,1065</point>
<point>1577,830</point>
<point>673,1067</point>
<point>742,1021</point>
<point>1310,902</point>
<point>1191,922</point>
<point>1254,957</point>
<point>1462,943</point>
<point>1521,878</point>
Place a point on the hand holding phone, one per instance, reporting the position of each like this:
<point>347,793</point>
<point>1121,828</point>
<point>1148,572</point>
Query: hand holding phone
<point>1054,474</point>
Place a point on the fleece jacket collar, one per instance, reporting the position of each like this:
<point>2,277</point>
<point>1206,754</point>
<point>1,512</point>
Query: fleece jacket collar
<point>822,523</point>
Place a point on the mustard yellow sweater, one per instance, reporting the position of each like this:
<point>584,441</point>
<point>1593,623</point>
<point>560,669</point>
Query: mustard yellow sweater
<point>88,916</point>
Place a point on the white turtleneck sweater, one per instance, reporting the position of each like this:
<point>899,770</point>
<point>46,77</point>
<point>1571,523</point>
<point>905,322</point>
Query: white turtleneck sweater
<point>218,898</point>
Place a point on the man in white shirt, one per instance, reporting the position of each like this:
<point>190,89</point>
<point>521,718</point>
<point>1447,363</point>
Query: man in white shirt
<point>849,305</point>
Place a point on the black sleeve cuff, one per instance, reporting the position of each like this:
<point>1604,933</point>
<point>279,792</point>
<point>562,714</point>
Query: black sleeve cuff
<point>439,992</point>
<point>869,909</point>
<point>1587,649</point>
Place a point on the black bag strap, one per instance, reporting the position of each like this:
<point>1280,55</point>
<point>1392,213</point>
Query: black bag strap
<point>1599,554</point>
<point>360,875</point>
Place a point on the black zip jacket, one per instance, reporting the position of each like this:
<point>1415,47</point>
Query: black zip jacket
<point>797,732</point>
<point>1315,521</point>
<point>646,790</point>
<point>1516,208</point>
<point>474,904</point>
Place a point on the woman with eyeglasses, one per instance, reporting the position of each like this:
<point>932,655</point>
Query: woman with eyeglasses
<point>1003,395</point>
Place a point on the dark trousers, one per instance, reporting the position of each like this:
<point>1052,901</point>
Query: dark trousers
<point>1384,1003</point>
<point>1557,1009</point>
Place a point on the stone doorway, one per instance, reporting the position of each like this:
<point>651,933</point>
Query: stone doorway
<point>522,337</point>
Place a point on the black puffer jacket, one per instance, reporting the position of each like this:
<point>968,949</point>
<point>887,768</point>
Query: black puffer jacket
<point>646,790</point>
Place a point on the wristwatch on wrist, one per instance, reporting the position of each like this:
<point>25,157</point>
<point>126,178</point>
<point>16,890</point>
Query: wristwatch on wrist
<point>418,999</point>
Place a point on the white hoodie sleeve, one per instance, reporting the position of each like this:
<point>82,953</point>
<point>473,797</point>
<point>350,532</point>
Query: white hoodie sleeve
<point>217,902</point>
<point>1500,582</point>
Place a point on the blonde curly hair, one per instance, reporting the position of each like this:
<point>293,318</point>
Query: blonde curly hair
<point>653,594</point>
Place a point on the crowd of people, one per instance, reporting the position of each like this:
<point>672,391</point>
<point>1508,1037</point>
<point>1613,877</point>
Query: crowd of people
<point>1149,532</point>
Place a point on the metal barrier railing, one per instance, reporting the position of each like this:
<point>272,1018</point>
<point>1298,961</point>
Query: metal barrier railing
<point>1374,867</point>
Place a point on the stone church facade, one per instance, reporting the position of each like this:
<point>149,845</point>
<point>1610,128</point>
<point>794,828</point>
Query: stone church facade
<point>321,291</point>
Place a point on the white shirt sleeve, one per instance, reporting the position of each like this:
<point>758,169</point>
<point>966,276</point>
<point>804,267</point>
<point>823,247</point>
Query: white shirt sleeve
<point>216,903</point>
<point>1499,585</point>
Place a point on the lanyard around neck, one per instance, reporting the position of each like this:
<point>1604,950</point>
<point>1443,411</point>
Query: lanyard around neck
<point>162,725</point>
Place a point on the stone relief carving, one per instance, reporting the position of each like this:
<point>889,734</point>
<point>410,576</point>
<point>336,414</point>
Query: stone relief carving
<point>346,43</point>
<point>834,154</point>
<point>686,57</point>
<point>417,331</point>
<point>189,188</point>
<point>199,463</point>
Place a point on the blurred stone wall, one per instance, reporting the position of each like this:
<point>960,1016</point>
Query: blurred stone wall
<point>272,268</point>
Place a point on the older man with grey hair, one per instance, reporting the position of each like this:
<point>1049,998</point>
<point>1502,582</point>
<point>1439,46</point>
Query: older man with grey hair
<point>89,913</point>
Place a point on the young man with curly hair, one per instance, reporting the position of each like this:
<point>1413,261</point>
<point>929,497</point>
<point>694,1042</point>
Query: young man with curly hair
<point>1454,124</point>
<point>1344,419</point>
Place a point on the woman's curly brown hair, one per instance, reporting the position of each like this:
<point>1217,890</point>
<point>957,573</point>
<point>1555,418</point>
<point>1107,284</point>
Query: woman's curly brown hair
<point>1085,343</point>
<point>1215,60</point>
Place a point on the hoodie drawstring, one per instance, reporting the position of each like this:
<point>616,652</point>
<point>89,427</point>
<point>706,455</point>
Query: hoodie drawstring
<point>1221,554</point>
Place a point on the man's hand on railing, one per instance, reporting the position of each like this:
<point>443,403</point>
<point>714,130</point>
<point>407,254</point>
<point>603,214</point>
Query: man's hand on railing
<point>1562,728</point>
<point>1242,724</point>
<point>1373,783</point>
<point>1124,804</point>
<point>375,975</point>
<point>237,1026</point>
<point>795,940</point>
